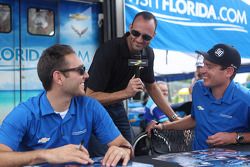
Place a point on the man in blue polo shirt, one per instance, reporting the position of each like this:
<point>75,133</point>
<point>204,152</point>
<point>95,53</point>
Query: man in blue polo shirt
<point>221,108</point>
<point>55,126</point>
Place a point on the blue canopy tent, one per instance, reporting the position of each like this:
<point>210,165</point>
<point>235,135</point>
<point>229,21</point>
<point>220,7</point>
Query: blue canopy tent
<point>186,26</point>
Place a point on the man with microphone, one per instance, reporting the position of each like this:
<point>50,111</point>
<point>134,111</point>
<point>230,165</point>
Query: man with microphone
<point>123,67</point>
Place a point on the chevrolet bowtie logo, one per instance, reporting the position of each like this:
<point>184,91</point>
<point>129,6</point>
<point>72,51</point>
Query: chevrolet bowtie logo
<point>200,108</point>
<point>138,63</point>
<point>44,140</point>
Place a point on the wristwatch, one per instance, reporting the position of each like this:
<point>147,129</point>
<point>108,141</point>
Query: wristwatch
<point>239,138</point>
<point>174,116</point>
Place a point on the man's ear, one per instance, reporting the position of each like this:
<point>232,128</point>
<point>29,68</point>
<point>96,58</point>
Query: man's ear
<point>130,27</point>
<point>230,71</point>
<point>57,77</point>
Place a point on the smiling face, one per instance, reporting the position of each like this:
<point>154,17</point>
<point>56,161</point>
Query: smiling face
<point>145,28</point>
<point>73,81</point>
<point>214,76</point>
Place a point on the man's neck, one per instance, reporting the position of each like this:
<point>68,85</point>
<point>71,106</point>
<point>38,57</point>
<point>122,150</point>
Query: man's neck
<point>219,91</point>
<point>58,101</point>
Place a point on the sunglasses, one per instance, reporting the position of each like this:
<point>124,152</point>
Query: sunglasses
<point>145,37</point>
<point>80,70</point>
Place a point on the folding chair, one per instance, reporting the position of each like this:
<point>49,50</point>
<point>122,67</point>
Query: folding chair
<point>171,141</point>
<point>162,142</point>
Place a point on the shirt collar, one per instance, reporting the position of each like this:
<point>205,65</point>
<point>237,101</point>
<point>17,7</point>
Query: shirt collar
<point>47,109</point>
<point>228,94</point>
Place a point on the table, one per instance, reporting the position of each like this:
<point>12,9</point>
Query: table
<point>96,164</point>
<point>149,161</point>
<point>159,163</point>
<point>156,163</point>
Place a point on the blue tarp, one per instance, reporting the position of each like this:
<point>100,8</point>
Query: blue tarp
<point>189,25</point>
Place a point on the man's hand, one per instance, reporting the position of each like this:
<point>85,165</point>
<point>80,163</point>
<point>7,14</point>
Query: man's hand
<point>221,138</point>
<point>135,85</point>
<point>150,126</point>
<point>162,126</point>
<point>68,153</point>
<point>115,154</point>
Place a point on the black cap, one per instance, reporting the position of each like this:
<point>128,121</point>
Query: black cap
<point>224,55</point>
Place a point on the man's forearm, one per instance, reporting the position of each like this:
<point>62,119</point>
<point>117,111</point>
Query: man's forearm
<point>160,101</point>
<point>185,123</point>
<point>165,107</point>
<point>108,98</point>
<point>10,158</point>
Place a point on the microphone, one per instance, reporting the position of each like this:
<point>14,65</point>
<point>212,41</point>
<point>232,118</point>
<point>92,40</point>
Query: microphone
<point>138,63</point>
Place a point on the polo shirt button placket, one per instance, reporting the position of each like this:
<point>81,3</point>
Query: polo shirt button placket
<point>61,128</point>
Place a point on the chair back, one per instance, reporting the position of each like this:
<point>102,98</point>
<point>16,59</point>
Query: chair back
<point>171,141</point>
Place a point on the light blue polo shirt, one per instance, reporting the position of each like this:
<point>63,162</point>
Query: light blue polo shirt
<point>231,113</point>
<point>153,112</point>
<point>34,125</point>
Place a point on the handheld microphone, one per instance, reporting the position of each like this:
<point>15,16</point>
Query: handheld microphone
<point>137,66</point>
<point>138,63</point>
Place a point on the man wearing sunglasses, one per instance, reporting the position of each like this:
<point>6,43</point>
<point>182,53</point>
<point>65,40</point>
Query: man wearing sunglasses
<point>113,80</point>
<point>55,126</point>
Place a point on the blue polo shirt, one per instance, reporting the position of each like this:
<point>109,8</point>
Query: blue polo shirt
<point>34,124</point>
<point>231,113</point>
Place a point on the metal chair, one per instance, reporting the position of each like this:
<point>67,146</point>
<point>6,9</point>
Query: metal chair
<point>162,142</point>
<point>171,141</point>
<point>142,144</point>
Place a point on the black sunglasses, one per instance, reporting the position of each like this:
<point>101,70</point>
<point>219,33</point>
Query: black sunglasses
<point>80,70</point>
<point>145,37</point>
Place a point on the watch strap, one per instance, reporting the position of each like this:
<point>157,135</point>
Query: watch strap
<point>173,117</point>
<point>239,137</point>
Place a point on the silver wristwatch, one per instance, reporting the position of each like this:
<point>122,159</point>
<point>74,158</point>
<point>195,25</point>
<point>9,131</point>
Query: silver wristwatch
<point>239,137</point>
<point>174,116</point>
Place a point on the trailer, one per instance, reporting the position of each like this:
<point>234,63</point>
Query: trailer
<point>27,27</point>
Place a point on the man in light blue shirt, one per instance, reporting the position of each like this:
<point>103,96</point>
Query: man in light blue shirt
<point>55,126</point>
<point>221,109</point>
<point>153,114</point>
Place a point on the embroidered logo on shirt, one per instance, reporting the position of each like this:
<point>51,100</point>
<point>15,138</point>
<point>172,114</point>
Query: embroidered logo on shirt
<point>226,116</point>
<point>44,140</point>
<point>79,132</point>
<point>200,108</point>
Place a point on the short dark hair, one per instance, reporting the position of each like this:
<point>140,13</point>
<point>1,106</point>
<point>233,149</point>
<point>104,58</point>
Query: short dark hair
<point>147,16</point>
<point>234,74</point>
<point>52,58</point>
